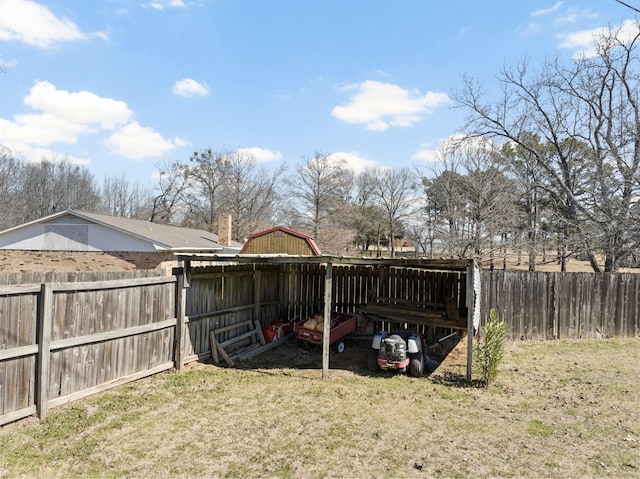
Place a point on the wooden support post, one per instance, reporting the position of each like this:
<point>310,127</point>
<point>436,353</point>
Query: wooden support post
<point>259,332</point>
<point>470,315</point>
<point>257,288</point>
<point>326,333</point>
<point>45,313</point>
<point>181,306</point>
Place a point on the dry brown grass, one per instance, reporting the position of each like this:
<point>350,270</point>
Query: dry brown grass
<point>558,409</point>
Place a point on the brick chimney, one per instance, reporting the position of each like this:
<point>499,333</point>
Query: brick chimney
<point>224,230</point>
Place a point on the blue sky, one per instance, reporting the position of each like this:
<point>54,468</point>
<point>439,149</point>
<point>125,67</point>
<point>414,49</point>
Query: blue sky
<point>122,86</point>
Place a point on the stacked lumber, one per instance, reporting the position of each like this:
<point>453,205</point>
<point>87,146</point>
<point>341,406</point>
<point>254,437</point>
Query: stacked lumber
<point>417,312</point>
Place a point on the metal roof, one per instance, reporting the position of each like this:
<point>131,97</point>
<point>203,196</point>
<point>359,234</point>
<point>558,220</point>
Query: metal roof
<point>432,264</point>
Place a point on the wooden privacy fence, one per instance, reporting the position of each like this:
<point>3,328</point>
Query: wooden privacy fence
<point>563,305</point>
<point>63,341</point>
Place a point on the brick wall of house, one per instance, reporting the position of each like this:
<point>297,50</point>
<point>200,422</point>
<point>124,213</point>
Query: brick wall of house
<point>20,261</point>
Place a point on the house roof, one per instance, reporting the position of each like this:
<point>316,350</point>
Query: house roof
<point>310,241</point>
<point>175,238</point>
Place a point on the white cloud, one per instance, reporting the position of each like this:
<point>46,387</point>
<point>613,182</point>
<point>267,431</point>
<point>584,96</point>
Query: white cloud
<point>545,11</point>
<point>530,29</point>
<point>36,154</point>
<point>431,154</point>
<point>573,15</point>
<point>189,88</point>
<point>164,4</point>
<point>34,24</point>
<point>62,117</point>
<point>379,105</point>
<point>138,142</point>
<point>426,153</point>
<point>354,161</point>
<point>583,41</point>
<point>7,64</point>
<point>453,149</point>
<point>261,155</point>
<point>81,107</point>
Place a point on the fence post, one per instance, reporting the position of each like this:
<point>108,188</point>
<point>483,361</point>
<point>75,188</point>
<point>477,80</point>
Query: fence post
<point>328,282</point>
<point>556,306</point>
<point>181,302</point>
<point>45,312</point>
<point>471,304</point>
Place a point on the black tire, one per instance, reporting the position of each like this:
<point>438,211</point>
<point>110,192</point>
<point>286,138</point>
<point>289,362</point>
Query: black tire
<point>372,360</point>
<point>416,366</point>
<point>340,347</point>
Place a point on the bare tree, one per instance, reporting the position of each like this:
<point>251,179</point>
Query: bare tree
<point>169,202</point>
<point>317,189</point>
<point>393,191</point>
<point>248,193</point>
<point>54,185</point>
<point>10,174</point>
<point>587,118</point>
<point>444,199</point>
<point>205,173</point>
<point>490,199</point>
<point>367,218</point>
<point>527,176</point>
<point>121,197</point>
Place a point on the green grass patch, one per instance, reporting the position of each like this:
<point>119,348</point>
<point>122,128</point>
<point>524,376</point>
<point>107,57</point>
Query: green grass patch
<point>539,428</point>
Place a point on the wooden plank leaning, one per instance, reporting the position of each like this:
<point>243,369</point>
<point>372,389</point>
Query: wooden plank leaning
<point>218,348</point>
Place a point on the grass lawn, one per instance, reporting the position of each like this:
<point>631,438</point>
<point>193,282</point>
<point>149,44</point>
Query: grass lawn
<point>558,409</point>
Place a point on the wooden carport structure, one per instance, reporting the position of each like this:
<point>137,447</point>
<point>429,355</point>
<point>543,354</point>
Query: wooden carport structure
<point>388,308</point>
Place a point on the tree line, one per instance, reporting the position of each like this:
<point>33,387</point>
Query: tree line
<point>546,170</point>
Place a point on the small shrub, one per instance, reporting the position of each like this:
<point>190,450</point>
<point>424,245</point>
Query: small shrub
<point>489,350</point>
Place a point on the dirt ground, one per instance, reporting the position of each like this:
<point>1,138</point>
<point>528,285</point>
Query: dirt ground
<point>301,357</point>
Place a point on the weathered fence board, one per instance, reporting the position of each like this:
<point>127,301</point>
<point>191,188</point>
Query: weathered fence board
<point>563,305</point>
<point>61,341</point>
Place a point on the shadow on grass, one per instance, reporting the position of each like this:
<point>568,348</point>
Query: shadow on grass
<point>455,380</point>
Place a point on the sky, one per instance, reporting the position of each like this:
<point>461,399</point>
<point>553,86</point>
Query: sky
<point>126,86</point>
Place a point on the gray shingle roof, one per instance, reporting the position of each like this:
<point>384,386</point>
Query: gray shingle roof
<point>172,237</point>
<point>163,236</point>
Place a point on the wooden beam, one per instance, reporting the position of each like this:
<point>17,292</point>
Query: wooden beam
<point>222,352</point>
<point>219,347</point>
<point>470,328</point>
<point>18,352</point>
<point>326,333</point>
<point>257,288</point>
<point>238,338</point>
<point>434,264</point>
<point>259,350</point>
<point>45,315</point>
<point>181,306</point>
<point>111,335</point>
<point>241,324</point>
<point>260,333</point>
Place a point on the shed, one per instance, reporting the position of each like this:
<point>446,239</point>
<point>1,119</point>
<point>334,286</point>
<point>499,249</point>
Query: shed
<point>397,288</point>
<point>281,240</point>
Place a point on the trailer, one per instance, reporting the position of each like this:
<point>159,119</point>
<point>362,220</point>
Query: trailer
<point>341,325</point>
